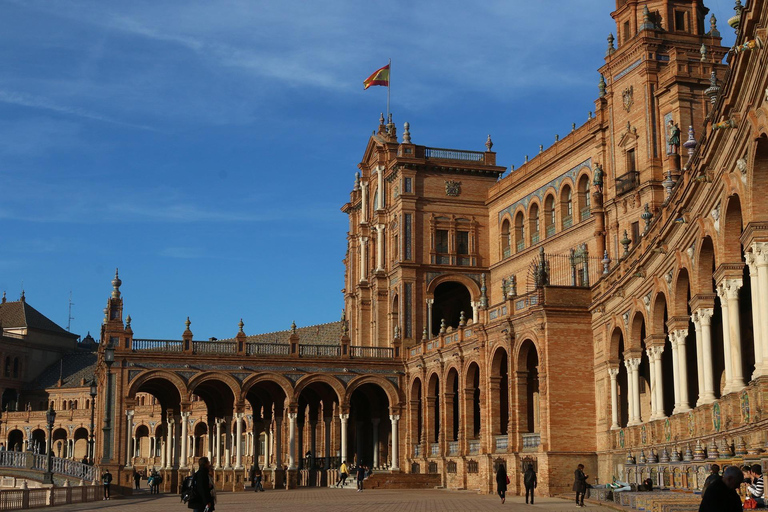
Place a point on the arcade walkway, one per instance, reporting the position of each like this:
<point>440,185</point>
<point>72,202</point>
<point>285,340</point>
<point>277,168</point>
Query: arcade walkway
<point>333,500</point>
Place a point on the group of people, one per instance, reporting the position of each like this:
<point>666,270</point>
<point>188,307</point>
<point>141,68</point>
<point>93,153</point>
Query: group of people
<point>719,493</point>
<point>361,472</point>
<point>529,480</point>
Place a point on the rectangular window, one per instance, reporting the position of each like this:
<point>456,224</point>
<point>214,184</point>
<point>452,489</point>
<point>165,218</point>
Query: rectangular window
<point>635,233</point>
<point>680,20</point>
<point>407,185</point>
<point>441,240</point>
<point>407,235</point>
<point>626,31</point>
<point>408,293</point>
<point>396,247</point>
<point>631,161</point>
<point>462,242</point>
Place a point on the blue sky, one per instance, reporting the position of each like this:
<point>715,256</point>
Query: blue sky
<point>205,148</point>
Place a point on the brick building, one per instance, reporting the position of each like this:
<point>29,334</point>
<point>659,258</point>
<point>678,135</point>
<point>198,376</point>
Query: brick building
<point>603,304</point>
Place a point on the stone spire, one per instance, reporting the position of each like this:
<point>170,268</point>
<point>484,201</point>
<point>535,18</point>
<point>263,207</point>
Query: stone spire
<point>647,23</point>
<point>601,86</point>
<point>713,32</point>
<point>407,133</point>
<point>116,282</point>
<point>489,143</point>
<point>611,48</point>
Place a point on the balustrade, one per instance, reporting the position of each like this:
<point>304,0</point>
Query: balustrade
<point>453,154</point>
<point>319,351</point>
<point>453,448</point>
<point>474,446</point>
<point>501,443</point>
<point>531,441</point>
<point>267,349</point>
<point>434,449</point>
<point>214,347</point>
<point>139,345</point>
<point>372,352</point>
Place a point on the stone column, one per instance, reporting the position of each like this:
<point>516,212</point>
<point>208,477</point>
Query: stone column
<point>239,441</point>
<point>682,354</point>
<point>344,423</point>
<point>475,311</point>
<point>217,442</point>
<point>279,442</point>
<point>430,302</point>
<point>651,383</point>
<point>184,439</point>
<point>292,439</point>
<point>169,443</point>
<point>635,365</point>
<point>327,421</point>
<point>129,439</point>
<point>375,422</point>
<point>699,357</point>
<point>380,190</point>
<point>760,250</point>
<point>726,338</point>
<point>757,332</point>
<point>614,373</point>
<point>363,259</point>
<point>394,418</point>
<point>364,205</point>
<point>313,443</point>
<point>380,247</point>
<point>657,351</point>
<point>732,287</point>
<point>630,393</point>
<point>163,459</point>
<point>703,319</point>
<point>673,341</point>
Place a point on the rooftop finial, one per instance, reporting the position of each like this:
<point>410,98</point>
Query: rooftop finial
<point>703,52</point>
<point>188,323</point>
<point>357,181</point>
<point>389,118</point>
<point>489,142</point>
<point>647,23</point>
<point>128,321</point>
<point>116,282</point>
<point>713,32</point>
<point>293,327</point>
<point>241,325</point>
<point>381,118</point>
<point>611,48</point>
<point>22,298</point>
<point>541,148</point>
<point>4,299</point>
<point>735,21</point>
<point>601,86</point>
<point>407,133</point>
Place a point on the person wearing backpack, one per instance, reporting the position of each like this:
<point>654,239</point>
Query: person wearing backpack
<point>200,499</point>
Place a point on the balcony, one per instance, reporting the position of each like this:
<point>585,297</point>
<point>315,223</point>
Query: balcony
<point>474,446</point>
<point>453,448</point>
<point>567,222</point>
<point>507,252</point>
<point>585,213</point>
<point>434,449</point>
<point>531,441</point>
<point>550,230</point>
<point>627,182</point>
<point>520,246</point>
<point>453,154</point>
<point>501,443</point>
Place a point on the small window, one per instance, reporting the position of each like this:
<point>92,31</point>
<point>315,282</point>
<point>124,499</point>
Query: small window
<point>635,233</point>
<point>626,31</point>
<point>16,368</point>
<point>680,21</point>
<point>396,246</point>
<point>631,161</point>
<point>462,242</point>
<point>407,185</point>
<point>441,240</point>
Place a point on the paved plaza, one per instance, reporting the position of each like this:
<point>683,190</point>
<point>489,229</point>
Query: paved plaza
<point>321,500</point>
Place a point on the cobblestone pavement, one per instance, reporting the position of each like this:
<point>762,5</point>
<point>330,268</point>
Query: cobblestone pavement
<point>333,500</point>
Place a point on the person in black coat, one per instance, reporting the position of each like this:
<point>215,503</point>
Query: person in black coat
<point>580,484</point>
<point>530,481</point>
<point>501,482</point>
<point>201,497</point>
<point>721,495</point>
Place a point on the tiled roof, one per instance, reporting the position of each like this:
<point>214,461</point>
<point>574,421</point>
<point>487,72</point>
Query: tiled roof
<point>20,314</point>
<point>74,367</point>
<point>322,334</point>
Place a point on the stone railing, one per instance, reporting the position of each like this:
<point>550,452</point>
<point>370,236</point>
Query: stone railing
<point>267,349</point>
<point>372,352</point>
<point>474,446</point>
<point>417,450</point>
<point>454,154</point>
<point>531,441</point>
<point>37,462</point>
<point>157,345</point>
<point>453,448</point>
<point>10,459</point>
<point>23,499</point>
<point>319,351</point>
<point>501,443</point>
<point>214,347</point>
<point>434,449</point>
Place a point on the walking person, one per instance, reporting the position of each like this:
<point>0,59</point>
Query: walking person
<point>530,481</point>
<point>343,474</point>
<point>256,477</point>
<point>106,479</point>
<point>201,499</point>
<point>580,484</point>
<point>360,477</point>
<point>136,479</point>
<point>502,480</point>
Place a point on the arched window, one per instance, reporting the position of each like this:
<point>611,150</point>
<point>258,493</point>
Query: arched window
<point>8,366</point>
<point>87,404</point>
<point>506,240</point>
<point>566,207</point>
<point>519,232</point>
<point>64,405</point>
<point>549,216</point>
<point>16,368</point>
<point>535,223</point>
<point>585,202</point>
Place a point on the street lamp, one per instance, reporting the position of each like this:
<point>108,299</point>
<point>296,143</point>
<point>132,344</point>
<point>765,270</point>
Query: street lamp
<point>50,417</point>
<point>93,410</point>
<point>109,359</point>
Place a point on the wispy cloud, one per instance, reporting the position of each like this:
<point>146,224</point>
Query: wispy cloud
<point>26,100</point>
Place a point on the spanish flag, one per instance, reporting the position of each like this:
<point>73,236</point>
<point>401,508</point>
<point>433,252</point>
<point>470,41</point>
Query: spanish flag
<point>379,77</point>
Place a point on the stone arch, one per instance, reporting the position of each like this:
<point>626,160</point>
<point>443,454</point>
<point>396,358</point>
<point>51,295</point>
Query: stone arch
<point>566,204</point>
<point>534,221</point>
<point>730,231</point>
<point>469,283</point>
<point>529,399</point>
<point>521,357</point>
<point>520,229</point>
<point>225,378</point>
<point>472,385</point>
<point>638,331</point>
<point>333,382</point>
<point>758,178</point>
<point>150,382</point>
<point>679,305</point>
<point>275,378</point>
<point>706,263</point>
<point>659,312</point>
<point>615,349</point>
<point>451,391</point>
<point>499,389</point>
<point>392,392</point>
<point>550,213</point>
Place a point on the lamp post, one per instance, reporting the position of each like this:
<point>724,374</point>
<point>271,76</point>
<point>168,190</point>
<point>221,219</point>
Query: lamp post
<point>50,417</point>
<point>93,410</point>
<point>109,359</point>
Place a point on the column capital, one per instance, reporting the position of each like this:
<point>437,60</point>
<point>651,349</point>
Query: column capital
<point>394,417</point>
<point>129,413</point>
<point>728,289</point>
<point>430,301</point>
<point>760,252</point>
<point>678,336</point>
<point>633,363</point>
<point>293,416</point>
<point>613,372</point>
<point>344,417</point>
<point>703,316</point>
<point>656,351</point>
<point>185,414</point>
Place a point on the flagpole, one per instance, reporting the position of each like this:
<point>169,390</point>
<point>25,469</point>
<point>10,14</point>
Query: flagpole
<point>388,86</point>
